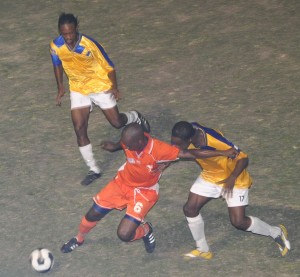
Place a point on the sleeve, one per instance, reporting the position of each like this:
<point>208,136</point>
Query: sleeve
<point>165,152</point>
<point>54,57</point>
<point>242,155</point>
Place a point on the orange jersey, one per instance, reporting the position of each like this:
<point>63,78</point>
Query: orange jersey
<point>138,169</point>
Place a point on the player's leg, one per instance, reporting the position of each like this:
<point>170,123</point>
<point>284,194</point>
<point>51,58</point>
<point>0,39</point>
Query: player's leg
<point>195,221</point>
<point>131,229</point>
<point>255,225</point>
<point>108,104</point>
<point>133,226</point>
<point>88,222</point>
<point>110,197</point>
<point>80,112</point>
<point>200,194</point>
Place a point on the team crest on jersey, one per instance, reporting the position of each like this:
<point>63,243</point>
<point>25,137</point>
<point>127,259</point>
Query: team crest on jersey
<point>131,160</point>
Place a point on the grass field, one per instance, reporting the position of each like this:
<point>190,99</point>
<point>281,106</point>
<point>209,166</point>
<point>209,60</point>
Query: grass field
<point>231,65</point>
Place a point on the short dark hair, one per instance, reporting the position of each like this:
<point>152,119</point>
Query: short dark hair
<point>183,130</point>
<point>67,18</point>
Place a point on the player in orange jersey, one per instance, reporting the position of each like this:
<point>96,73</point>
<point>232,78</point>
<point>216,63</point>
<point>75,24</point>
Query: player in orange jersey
<point>135,187</point>
<point>92,81</point>
<point>220,177</point>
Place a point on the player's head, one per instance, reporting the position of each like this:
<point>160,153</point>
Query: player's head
<point>67,18</point>
<point>68,28</point>
<point>182,133</point>
<point>133,137</point>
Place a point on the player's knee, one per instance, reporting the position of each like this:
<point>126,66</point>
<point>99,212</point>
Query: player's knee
<point>190,211</point>
<point>93,215</point>
<point>239,223</point>
<point>124,236</point>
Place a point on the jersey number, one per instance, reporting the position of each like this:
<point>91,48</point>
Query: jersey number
<point>138,207</point>
<point>242,198</point>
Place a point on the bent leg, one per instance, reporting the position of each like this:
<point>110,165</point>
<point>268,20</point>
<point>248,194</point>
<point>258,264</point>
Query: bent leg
<point>238,218</point>
<point>115,118</point>
<point>80,118</point>
<point>119,120</point>
<point>87,223</point>
<point>128,228</point>
<point>195,221</point>
<point>90,220</point>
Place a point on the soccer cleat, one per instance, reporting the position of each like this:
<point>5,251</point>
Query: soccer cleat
<point>141,120</point>
<point>70,245</point>
<point>198,254</point>
<point>149,239</point>
<point>282,242</point>
<point>90,178</point>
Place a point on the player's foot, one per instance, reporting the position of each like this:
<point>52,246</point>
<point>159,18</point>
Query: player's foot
<point>149,239</point>
<point>90,178</point>
<point>282,242</point>
<point>198,254</point>
<point>143,122</point>
<point>70,245</point>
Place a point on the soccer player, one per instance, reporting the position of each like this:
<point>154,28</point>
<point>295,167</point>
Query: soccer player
<point>220,177</point>
<point>92,81</point>
<point>135,186</point>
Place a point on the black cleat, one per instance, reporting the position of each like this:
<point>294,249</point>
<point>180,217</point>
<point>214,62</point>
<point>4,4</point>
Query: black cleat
<point>70,245</point>
<point>141,120</point>
<point>90,178</point>
<point>149,239</point>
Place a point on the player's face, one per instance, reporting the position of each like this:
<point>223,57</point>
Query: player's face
<point>70,34</point>
<point>180,143</point>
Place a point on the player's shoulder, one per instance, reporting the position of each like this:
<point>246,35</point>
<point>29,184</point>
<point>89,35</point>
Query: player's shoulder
<point>86,38</point>
<point>160,145</point>
<point>57,42</point>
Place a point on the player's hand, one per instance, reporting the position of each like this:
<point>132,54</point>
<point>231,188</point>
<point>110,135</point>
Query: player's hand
<point>228,185</point>
<point>116,93</point>
<point>232,153</point>
<point>108,146</point>
<point>60,95</point>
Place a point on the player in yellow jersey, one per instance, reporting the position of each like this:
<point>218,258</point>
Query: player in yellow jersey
<point>220,177</point>
<point>92,81</point>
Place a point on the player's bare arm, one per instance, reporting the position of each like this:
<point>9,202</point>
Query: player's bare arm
<point>114,90</point>
<point>111,146</point>
<point>228,183</point>
<point>231,153</point>
<point>58,72</point>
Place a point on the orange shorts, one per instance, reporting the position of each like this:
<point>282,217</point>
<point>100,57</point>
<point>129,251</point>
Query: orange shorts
<point>138,201</point>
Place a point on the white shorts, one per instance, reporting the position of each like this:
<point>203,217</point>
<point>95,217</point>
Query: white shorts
<point>104,100</point>
<point>211,190</point>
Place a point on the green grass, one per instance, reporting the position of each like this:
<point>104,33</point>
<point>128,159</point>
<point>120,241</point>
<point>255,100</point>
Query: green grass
<point>231,65</point>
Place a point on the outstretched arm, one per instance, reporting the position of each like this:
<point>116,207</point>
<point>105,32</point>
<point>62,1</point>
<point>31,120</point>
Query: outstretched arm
<point>231,153</point>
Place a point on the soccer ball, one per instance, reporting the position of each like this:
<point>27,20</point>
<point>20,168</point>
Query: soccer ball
<point>41,260</point>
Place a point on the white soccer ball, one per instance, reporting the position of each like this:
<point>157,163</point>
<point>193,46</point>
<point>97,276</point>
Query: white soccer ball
<point>41,260</point>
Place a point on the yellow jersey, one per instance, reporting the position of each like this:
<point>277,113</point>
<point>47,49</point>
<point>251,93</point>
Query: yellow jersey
<point>87,65</point>
<point>216,169</point>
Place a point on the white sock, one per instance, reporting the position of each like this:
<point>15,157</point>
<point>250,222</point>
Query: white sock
<point>196,225</point>
<point>88,156</point>
<point>132,116</point>
<point>262,228</point>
